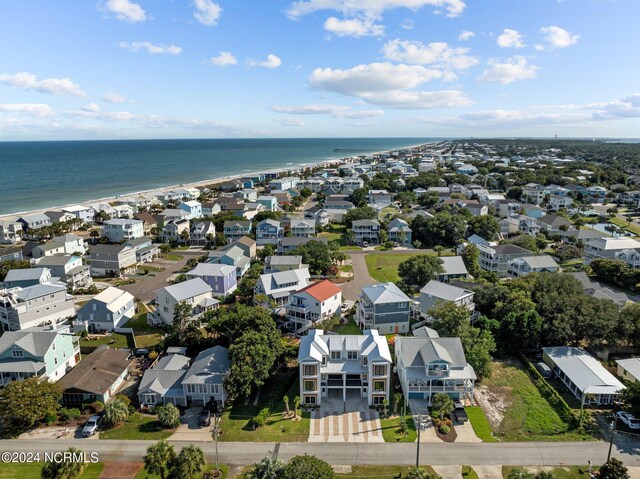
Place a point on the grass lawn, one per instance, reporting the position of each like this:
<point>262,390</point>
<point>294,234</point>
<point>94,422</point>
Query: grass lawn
<point>120,341</point>
<point>146,335</point>
<point>350,327</point>
<point>347,268</point>
<point>32,469</point>
<point>382,472</point>
<point>528,415</point>
<point>173,257</point>
<point>631,228</point>
<point>143,474</point>
<point>567,472</point>
<point>334,233</point>
<point>391,430</point>
<point>469,473</point>
<point>479,423</point>
<point>146,427</point>
<point>236,422</point>
<point>384,267</point>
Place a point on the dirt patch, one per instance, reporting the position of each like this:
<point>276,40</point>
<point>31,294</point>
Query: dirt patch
<point>120,470</point>
<point>494,403</point>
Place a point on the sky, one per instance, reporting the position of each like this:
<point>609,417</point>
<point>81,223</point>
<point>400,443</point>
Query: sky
<point>111,69</point>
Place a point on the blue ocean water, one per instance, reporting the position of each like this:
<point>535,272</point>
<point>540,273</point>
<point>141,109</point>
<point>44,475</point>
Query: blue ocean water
<point>43,174</point>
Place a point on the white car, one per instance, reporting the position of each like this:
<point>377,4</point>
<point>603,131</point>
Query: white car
<point>91,426</point>
<point>629,419</point>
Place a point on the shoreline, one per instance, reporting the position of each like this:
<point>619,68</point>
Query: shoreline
<point>199,183</point>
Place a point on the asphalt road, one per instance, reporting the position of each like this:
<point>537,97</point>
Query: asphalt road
<point>523,453</point>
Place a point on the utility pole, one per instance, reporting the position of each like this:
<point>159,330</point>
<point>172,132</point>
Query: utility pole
<point>614,423</point>
<point>215,432</point>
<point>419,425</point>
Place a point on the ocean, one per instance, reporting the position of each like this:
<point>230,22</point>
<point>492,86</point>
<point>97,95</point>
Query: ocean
<point>46,174</point>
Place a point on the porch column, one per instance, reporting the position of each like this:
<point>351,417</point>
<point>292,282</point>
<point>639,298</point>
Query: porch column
<point>344,387</point>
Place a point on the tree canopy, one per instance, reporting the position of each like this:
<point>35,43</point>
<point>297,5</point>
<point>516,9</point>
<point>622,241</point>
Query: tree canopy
<point>419,270</point>
<point>23,403</point>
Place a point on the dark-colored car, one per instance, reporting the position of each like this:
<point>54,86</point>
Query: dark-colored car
<point>459,414</point>
<point>204,419</point>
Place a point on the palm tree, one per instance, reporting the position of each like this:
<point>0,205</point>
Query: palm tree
<point>64,470</point>
<point>286,404</point>
<point>95,234</point>
<point>184,236</point>
<point>296,403</point>
<point>160,458</point>
<point>269,468</point>
<point>190,463</point>
<point>438,249</point>
<point>169,416</point>
<point>115,413</point>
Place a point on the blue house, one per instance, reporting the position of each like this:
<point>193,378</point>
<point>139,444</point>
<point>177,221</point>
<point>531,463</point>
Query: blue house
<point>384,307</point>
<point>269,202</point>
<point>268,232</point>
<point>221,277</point>
<point>399,231</point>
<point>110,309</point>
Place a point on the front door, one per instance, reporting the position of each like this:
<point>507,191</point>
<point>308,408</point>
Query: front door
<point>396,329</point>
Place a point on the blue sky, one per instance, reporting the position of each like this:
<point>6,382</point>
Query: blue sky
<point>81,69</point>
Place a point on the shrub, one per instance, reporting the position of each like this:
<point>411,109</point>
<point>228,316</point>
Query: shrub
<point>50,418</point>
<point>261,419</point>
<point>71,414</point>
<point>168,416</point>
<point>444,429</point>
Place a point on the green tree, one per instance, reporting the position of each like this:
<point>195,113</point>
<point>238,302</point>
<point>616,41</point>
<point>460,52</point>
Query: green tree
<point>445,228</point>
<point>296,405</point>
<point>628,327</point>
<point>450,320</point>
<point>613,469</point>
<point>485,226</point>
<point>520,330</point>
<point>317,255</point>
<point>160,459</point>
<point>115,412</point>
<point>519,473</point>
<point>24,403</point>
<point>268,468</point>
<point>359,197</point>
<point>442,404</point>
<point>361,213</point>
<point>285,399</point>
<point>307,467</point>
<point>64,469</point>
<point>190,463</point>
<point>397,399</point>
<point>478,345</point>
<point>631,398</point>
<point>183,327</point>
<point>168,416</point>
<point>471,256</point>
<point>420,269</point>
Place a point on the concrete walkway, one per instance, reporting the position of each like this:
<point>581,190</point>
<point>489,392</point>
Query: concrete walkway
<point>331,424</point>
<point>465,433</point>
<point>488,472</point>
<point>448,472</point>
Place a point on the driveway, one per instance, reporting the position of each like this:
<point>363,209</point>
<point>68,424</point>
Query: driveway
<point>144,288</point>
<point>422,420</point>
<point>331,424</point>
<point>351,290</point>
<point>465,432</point>
<point>189,430</point>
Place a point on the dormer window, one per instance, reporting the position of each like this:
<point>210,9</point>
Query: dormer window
<point>17,353</point>
<point>352,354</point>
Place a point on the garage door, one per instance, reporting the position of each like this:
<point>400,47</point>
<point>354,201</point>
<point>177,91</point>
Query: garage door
<point>416,395</point>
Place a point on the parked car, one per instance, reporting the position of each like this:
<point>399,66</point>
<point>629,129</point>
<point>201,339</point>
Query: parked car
<point>91,426</point>
<point>204,419</point>
<point>459,414</point>
<point>629,419</point>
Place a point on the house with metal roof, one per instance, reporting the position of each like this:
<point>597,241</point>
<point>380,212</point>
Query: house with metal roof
<point>220,277</point>
<point>274,264</point>
<point>495,259</point>
<point>269,232</point>
<point>366,231</point>
<point>22,308</point>
<point>584,376</point>
<point>195,292</point>
<point>121,230</point>
<point>111,259</point>
<point>608,247</point>
<point>45,352</point>
<point>311,305</point>
<point>383,307</point>
<point>279,286</point>
<point>344,367</point>
<point>109,309</point>
<point>204,381</point>
<point>429,365</point>
<point>234,230</point>
<point>454,268</point>
<point>162,384</point>
<point>629,369</point>
<point>399,232</point>
<point>21,278</point>
<point>288,244</point>
<point>232,255</point>
<point>69,269</point>
<point>436,293</point>
<point>532,264</point>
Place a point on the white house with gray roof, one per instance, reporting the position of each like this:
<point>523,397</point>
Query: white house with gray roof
<point>41,304</point>
<point>532,264</point>
<point>279,286</point>
<point>431,365</point>
<point>454,268</point>
<point>121,230</point>
<point>384,307</point>
<point>344,367</point>
<point>162,384</point>
<point>584,376</point>
<point>366,231</point>
<point>629,369</point>
<point>34,221</point>
<point>204,380</point>
<point>70,269</point>
<point>436,293</point>
<point>195,292</point>
<point>44,352</point>
<point>109,309</point>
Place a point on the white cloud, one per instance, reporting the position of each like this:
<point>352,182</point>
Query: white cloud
<point>151,48</point>
<point>271,62</point>
<point>125,10</point>
<point>354,27</point>
<point>510,39</point>
<point>224,59</point>
<point>207,12</point>
<point>337,111</point>
<point>558,37</point>
<point>290,121</point>
<point>372,8</point>
<point>539,47</point>
<point>56,86</point>
<point>408,24</point>
<point>33,109</point>
<point>516,68</point>
<point>91,107</point>
<point>466,35</point>
<point>386,84</point>
<point>438,54</point>
<point>112,97</point>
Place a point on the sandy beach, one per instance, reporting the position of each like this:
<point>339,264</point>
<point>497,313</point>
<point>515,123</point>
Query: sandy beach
<point>195,184</point>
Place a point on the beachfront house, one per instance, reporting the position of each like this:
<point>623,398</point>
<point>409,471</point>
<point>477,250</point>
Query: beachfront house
<point>432,365</point>
<point>33,222</point>
<point>37,305</point>
<point>308,306</point>
<point>344,367</point>
<point>194,292</point>
<point>111,259</point>
<point>121,230</point>
<point>84,213</point>
<point>383,307</point>
<point>268,232</point>
<point>108,310</point>
<point>46,352</point>
<point>221,278</point>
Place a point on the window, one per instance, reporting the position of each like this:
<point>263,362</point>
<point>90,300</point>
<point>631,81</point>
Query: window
<point>310,370</point>
<point>324,360</point>
<point>336,354</point>
<point>365,360</point>
<point>191,388</point>
<point>309,399</point>
<point>379,370</point>
<point>309,386</point>
<point>18,353</point>
<point>379,386</point>
<point>352,354</point>
<point>378,400</point>
<point>215,388</point>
